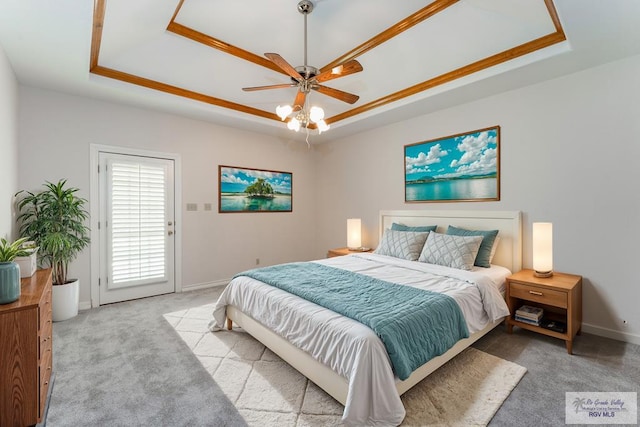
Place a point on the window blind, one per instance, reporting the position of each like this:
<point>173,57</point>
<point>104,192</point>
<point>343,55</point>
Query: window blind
<point>138,221</point>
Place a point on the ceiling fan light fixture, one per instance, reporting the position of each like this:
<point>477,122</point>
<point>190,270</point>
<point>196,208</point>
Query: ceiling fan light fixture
<point>294,124</point>
<point>322,126</point>
<point>307,78</point>
<point>283,111</point>
<point>316,114</point>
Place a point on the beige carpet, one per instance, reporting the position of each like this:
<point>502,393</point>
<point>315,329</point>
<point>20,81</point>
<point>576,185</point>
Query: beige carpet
<point>467,391</point>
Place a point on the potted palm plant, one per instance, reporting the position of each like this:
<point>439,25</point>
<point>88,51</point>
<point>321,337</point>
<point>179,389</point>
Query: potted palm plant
<point>10,270</point>
<point>55,219</point>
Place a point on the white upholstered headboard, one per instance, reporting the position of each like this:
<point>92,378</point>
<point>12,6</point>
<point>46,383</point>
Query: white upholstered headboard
<point>509,251</point>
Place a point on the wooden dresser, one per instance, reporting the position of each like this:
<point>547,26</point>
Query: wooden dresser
<point>26,352</point>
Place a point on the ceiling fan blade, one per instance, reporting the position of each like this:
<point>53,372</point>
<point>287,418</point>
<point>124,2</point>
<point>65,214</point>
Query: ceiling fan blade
<point>349,67</point>
<point>284,65</point>
<point>280,86</point>
<point>336,93</point>
<point>299,101</point>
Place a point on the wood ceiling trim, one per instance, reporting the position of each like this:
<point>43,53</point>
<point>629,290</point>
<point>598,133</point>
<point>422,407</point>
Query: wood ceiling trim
<point>391,32</point>
<point>474,67</point>
<point>435,7</point>
<point>196,36</point>
<point>175,14</point>
<point>174,90</point>
<point>220,45</point>
<point>553,14</point>
<point>99,7</point>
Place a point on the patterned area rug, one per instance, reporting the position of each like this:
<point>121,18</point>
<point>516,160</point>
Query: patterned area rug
<point>467,391</point>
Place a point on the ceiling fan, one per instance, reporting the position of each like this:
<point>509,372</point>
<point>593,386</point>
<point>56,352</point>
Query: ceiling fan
<point>308,78</point>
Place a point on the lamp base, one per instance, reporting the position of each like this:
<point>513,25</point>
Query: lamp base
<point>543,273</point>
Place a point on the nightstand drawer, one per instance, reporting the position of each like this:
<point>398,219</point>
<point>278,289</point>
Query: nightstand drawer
<point>538,294</point>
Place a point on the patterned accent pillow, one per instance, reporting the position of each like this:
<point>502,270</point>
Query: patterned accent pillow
<point>451,251</point>
<point>422,228</point>
<point>483,259</point>
<point>401,244</point>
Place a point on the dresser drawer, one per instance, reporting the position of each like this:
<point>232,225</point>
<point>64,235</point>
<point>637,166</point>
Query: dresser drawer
<point>538,294</point>
<point>45,369</point>
<point>45,341</point>
<point>44,309</point>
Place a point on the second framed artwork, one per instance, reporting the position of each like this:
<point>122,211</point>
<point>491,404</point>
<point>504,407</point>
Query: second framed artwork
<point>456,168</point>
<point>254,190</point>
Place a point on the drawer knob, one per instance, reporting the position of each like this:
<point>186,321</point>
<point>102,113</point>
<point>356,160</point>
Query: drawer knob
<point>535,293</point>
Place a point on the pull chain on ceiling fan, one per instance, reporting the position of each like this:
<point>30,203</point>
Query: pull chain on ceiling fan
<point>307,78</point>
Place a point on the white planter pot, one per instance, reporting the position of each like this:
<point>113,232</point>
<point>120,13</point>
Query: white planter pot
<point>65,301</point>
<point>28,264</point>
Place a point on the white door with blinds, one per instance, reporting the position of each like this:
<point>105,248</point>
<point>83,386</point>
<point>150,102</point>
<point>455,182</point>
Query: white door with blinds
<point>136,227</point>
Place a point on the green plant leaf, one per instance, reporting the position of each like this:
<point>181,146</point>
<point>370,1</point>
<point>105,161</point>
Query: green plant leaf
<point>54,218</point>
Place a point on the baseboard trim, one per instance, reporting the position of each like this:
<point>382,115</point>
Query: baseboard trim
<point>610,333</point>
<point>86,305</point>
<point>205,285</point>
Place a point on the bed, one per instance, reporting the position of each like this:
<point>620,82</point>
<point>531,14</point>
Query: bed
<point>346,358</point>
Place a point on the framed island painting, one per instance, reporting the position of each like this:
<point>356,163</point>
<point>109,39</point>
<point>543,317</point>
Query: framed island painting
<point>253,190</point>
<point>456,168</point>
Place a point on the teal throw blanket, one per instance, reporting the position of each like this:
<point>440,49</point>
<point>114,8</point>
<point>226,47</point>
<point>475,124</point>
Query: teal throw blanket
<point>415,325</point>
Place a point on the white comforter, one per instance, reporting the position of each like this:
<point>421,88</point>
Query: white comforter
<point>350,348</point>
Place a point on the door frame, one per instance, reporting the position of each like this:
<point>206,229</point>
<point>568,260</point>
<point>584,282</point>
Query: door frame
<point>94,210</point>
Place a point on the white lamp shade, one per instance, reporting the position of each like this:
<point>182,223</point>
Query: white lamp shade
<point>316,114</point>
<point>354,233</point>
<point>283,111</point>
<point>543,249</point>
<point>294,124</point>
<point>322,126</point>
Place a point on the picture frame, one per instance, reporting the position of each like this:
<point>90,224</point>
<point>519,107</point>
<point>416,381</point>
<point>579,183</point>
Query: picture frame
<point>243,189</point>
<point>458,168</point>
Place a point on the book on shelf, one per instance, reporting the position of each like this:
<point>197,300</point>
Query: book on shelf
<point>527,321</point>
<point>530,312</point>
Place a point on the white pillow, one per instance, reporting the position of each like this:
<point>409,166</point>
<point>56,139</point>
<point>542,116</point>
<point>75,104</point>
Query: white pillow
<point>401,244</point>
<point>450,250</point>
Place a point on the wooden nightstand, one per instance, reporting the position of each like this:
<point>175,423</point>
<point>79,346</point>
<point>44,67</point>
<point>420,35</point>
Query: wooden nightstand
<point>345,251</point>
<point>559,295</point>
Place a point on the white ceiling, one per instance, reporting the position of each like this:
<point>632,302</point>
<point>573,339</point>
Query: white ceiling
<point>49,44</point>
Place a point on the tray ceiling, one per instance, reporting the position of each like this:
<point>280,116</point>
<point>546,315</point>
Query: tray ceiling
<point>193,57</point>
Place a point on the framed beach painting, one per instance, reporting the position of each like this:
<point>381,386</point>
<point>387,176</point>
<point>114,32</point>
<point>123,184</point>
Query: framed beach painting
<point>253,190</point>
<point>456,168</point>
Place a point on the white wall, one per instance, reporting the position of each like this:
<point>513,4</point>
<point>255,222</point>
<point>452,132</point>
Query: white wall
<point>8,146</point>
<point>568,152</point>
<point>56,131</point>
